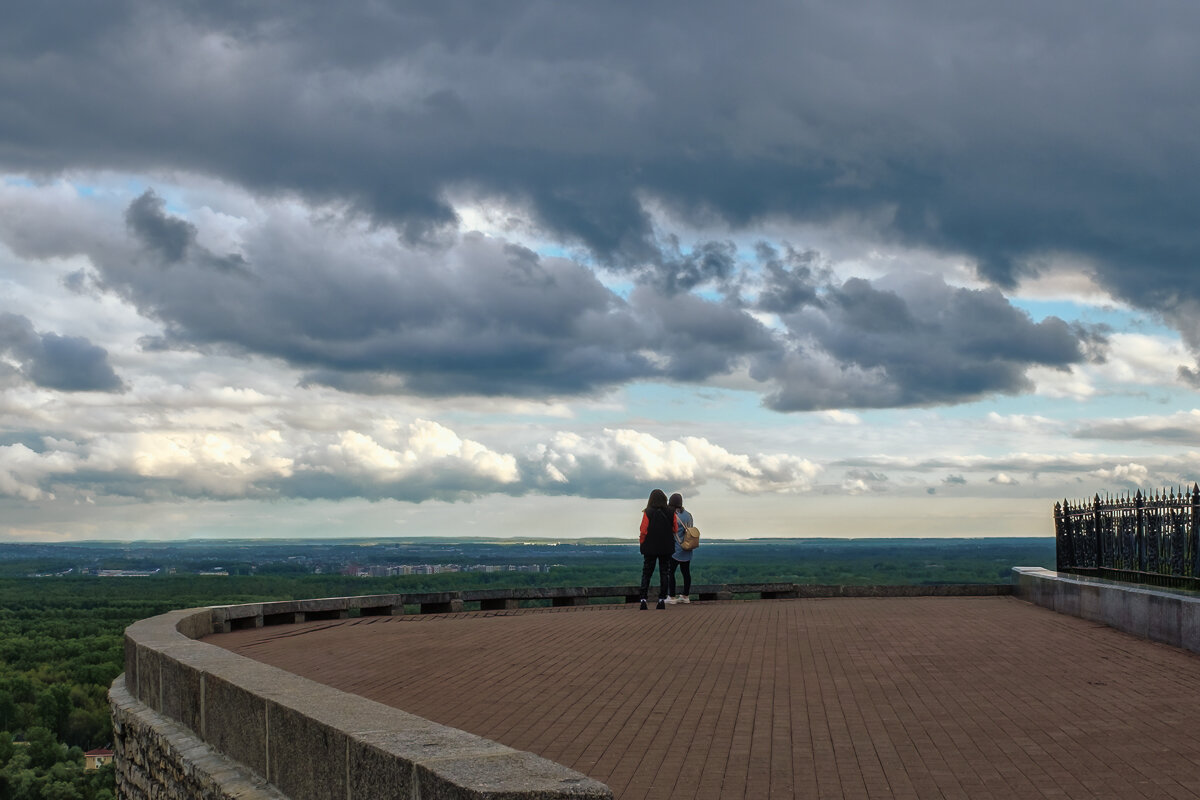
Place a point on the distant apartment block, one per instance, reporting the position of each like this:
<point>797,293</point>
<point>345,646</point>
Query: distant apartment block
<point>392,570</point>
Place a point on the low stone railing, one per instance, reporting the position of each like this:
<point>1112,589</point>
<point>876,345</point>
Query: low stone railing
<point>192,720</point>
<point>256,615</point>
<point>1170,616</point>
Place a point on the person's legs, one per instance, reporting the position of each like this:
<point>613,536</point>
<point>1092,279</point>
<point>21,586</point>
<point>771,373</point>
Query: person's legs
<point>647,570</point>
<point>664,571</point>
<point>671,583</point>
<point>686,568</point>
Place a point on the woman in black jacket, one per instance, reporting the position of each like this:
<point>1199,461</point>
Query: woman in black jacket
<point>657,543</point>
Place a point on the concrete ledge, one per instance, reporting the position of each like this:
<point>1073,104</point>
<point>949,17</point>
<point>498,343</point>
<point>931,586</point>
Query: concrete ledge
<point>289,736</point>
<point>1170,616</point>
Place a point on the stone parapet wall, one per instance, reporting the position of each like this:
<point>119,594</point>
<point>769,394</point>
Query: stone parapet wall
<point>1170,616</point>
<point>193,721</point>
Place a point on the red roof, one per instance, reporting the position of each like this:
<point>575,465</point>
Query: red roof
<point>100,752</point>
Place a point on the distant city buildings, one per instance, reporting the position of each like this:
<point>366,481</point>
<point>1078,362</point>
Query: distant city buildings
<point>392,570</point>
<point>124,573</point>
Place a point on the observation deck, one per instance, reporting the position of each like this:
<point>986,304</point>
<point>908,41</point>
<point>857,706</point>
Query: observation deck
<point>821,697</point>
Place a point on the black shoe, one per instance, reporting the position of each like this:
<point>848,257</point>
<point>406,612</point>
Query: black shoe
<point>661,604</point>
<point>643,605</point>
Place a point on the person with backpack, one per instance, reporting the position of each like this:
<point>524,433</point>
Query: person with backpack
<point>656,543</point>
<point>681,559</point>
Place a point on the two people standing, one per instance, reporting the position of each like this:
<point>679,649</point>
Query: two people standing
<point>661,544</point>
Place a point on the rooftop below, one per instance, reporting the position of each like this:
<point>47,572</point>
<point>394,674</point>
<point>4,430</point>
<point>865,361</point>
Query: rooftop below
<point>913,697</point>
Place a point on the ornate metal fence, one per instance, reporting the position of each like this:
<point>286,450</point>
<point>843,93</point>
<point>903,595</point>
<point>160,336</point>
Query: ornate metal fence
<point>1151,539</point>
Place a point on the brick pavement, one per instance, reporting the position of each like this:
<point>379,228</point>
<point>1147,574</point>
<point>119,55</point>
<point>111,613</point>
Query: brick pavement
<point>936,697</point>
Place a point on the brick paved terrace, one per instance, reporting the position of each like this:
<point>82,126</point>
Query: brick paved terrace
<point>930,697</point>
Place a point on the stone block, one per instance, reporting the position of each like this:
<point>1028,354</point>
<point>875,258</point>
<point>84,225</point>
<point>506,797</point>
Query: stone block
<point>384,763</point>
<point>131,666</point>
<point>235,722</point>
<point>1066,597</point>
<point>149,676</point>
<point>377,774</point>
<point>374,601</point>
<point>1089,602</point>
<point>196,623</point>
<point>327,607</point>
<point>1137,605</point>
<point>182,690</point>
<point>514,774</point>
<point>1189,626</point>
<point>230,614</point>
<point>1114,610</point>
<point>1163,622</point>
<point>307,758</point>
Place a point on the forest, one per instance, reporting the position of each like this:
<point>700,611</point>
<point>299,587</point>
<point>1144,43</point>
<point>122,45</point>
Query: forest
<point>61,624</point>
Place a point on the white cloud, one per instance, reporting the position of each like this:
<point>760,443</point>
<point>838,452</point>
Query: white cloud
<point>1069,384</point>
<point>1131,474</point>
<point>624,456</point>
<point>1137,359</point>
<point>21,469</point>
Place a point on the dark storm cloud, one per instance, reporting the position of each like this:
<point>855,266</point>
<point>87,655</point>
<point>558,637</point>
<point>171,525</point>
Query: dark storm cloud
<point>480,317</point>
<point>476,315</point>
<point>168,236</point>
<point>51,361</point>
<point>1002,132</point>
<point>911,340</point>
<point>698,338</point>
<point>791,280</point>
<point>1179,429</point>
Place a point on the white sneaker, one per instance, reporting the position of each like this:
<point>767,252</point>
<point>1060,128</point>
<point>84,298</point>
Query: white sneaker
<point>683,598</point>
<point>672,600</point>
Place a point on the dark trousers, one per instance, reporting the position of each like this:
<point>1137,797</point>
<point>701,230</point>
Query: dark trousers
<point>664,572</point>
<point>686,568</point>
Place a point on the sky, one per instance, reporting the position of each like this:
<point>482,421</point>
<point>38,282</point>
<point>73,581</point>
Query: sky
<point>366,269</point>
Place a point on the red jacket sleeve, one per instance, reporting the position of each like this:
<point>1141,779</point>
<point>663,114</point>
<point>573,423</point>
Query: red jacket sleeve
<point>644,527</point>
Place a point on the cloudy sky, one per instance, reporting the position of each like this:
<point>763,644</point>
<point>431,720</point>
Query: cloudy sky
<point>376,269</point>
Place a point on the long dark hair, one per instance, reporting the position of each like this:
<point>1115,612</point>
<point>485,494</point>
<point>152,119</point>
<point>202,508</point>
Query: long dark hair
<point>658,499</point>
<point>676,501</point>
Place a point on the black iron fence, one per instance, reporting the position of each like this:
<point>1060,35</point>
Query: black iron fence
<point>1153,539</point>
